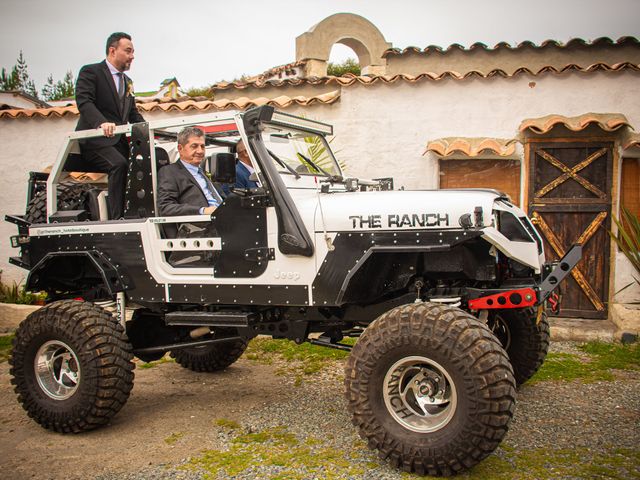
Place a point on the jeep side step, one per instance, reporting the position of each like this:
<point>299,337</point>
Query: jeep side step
<point>209,319</point>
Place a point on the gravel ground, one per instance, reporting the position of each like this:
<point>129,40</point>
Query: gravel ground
<point>596,417</point>
<point>588,418</point>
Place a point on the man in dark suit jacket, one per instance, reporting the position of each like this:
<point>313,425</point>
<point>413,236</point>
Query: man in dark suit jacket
<point>104,96</point>
<point>183,188</point>
<point>244,169</point>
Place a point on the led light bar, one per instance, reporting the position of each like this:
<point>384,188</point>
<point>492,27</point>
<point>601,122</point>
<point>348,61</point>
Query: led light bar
<point>284,119</point>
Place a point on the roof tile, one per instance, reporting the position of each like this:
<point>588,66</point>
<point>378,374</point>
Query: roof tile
<point>574,42</point>
<point>472,147</point>
<point>350,79</point>
<point>608,122</point>
<point>186,105</point>
<point>631,140</point>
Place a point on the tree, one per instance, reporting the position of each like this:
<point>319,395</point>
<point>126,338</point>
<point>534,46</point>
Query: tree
<point>24,81</point>
<point>64,88</point>
<point>9,81</point>
<point>350,65</point>
<point>19,78</point>
<point>49,88</point>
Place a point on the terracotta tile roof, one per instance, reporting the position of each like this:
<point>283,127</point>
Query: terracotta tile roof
<point>608,122</point>
<point>351,79</point>
<point>574,42</point>
<point>289,67</point>
<point>181,105</point>
<point>472,147</point>
<point>52,112</point>
<point>631,140</point>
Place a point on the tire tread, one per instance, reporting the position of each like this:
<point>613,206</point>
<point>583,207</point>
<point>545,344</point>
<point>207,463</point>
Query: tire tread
<point>103,351</point>
<point>465,340</point>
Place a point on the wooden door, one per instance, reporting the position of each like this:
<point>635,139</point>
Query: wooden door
<point>570,202</point>
<point>500,174</point>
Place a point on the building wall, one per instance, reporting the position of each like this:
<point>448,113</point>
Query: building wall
<point>15,100</point>
<point>380,130</point>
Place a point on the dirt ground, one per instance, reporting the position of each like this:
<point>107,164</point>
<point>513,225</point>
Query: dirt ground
<point>561,430</point>
<point>166,399</point>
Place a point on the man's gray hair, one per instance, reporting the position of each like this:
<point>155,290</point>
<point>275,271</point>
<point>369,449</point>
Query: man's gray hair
<point>188,132</point>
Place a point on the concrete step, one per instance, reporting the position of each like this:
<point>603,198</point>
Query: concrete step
<point>12,314</point>
<point>582,330</point>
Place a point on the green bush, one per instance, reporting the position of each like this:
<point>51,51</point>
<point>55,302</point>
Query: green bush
<point>15,293</point>
<point>628,239</point>
<point>350,65</point>
<point>200,92</point>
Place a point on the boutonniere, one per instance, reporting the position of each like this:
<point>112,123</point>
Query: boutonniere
<point>130,88</point>
<point>208,174</point>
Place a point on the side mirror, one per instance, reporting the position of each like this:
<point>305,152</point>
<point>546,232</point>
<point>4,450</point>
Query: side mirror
<point>223,167</point>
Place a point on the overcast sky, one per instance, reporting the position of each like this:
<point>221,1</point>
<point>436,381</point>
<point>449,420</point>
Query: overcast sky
<point>204,41</point>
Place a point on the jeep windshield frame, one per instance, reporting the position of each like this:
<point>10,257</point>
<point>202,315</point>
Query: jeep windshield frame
<point>299,152</point>
<point>293,237</point>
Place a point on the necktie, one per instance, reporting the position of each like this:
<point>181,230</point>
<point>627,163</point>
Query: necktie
<point>210,187</point>
<point>120,85</point>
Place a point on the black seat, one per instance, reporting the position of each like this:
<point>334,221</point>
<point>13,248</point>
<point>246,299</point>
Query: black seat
<point>162,158</point>
<point>92,203</point>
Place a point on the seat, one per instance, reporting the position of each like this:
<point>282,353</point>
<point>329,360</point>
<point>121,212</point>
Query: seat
<point>162,158</point>
<point>96,203</point>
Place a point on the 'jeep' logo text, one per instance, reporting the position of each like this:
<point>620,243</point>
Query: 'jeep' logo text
<point>400,220</point>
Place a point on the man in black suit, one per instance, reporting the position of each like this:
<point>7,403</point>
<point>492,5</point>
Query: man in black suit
<point>183,187</point>
<point>104,96</point>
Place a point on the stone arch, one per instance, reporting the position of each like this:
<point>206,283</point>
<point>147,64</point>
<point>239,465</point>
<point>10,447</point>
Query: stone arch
<point>354,31</point>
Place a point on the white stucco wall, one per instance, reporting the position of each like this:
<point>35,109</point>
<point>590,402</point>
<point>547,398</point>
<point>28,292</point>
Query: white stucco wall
<point>380,130</point>
<point>16,100</point>
<point>625,281</point>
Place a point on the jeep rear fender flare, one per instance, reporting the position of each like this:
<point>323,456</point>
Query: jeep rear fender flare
<point>112,279</point>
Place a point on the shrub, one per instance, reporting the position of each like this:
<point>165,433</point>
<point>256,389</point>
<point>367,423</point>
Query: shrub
<point>15,293</point>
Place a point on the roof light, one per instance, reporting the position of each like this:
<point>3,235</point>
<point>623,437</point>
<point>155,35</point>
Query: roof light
<point>280,118</point>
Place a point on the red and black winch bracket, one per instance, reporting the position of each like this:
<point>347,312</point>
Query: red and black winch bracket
<point>519,298</point>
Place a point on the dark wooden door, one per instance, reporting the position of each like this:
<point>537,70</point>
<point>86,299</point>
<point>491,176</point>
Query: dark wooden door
<point>570,202</point>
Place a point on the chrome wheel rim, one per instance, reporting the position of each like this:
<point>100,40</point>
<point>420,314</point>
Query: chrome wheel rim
<point>420,394</point>
<point>57,370</point>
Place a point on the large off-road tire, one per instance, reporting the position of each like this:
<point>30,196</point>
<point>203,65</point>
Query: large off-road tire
<point>430,388</point>
<point>71,196</point>
<point>210,358</point>
<point>71,366</point>
<point>525,340</point>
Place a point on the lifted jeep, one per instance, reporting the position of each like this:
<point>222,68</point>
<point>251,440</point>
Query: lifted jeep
<point>445,290</point>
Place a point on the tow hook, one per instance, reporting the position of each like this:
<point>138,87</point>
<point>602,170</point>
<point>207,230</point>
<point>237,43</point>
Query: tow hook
<point>554,303</point>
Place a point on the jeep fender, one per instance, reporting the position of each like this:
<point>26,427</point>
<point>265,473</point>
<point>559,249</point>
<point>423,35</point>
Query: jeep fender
<point>95,268</point>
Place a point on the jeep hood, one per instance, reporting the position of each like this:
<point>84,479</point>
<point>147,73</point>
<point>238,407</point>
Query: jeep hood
<point>393,210</point>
